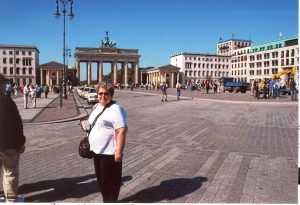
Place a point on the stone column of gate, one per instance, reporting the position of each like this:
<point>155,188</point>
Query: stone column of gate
<point>100,71</point>
<point>141,78</point>
<point>77,66</point>
<point>147,78</point>
<point>58,77</point>
<point>89,72</point>
<point>47,78</point>
<point>178,76</point>
<point>136,73</point>
<point>42,80</point>
<point>125,73</point>
<point>166,78</point>
<point>160,78</point>
<point>115,72</point>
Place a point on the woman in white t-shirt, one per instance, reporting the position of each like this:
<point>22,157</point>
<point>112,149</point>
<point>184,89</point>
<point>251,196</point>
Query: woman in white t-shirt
<point>107,140</point>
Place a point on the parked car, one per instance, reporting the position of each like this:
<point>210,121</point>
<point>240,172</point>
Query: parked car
<point>84,92</point>
<point>79,90</point>
<point>92,96</point>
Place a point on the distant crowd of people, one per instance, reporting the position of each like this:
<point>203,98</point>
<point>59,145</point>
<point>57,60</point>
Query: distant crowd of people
<point>29,91</point>
<point>272,88</point>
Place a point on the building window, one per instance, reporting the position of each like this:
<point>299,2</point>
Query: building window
<point>4,60</point>
<point>258,72</point>
<point>4,70</point>
<point>11,70</point>
<point>17,52</point>
<point>18,71</point>
<point>4,52</point>
<point>23,52</point>
<point>287,54</point>
<point>292,52</point>
<point>17,61</point>
<point>29,53</point>
<point>30,71</point>
<point>10,52</point>
<point>11,60</point>
<point>24,71</point>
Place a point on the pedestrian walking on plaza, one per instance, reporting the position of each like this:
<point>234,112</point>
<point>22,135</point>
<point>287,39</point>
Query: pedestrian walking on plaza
<point>206,85</point>
<point>38,90</point>
<point>8,89</point>
<point>178,85</point>
<point>131,87</point>
<point>271,86</point>
<point>46,90</point>
<point>16,90</point>
<point>25,96</point>
<point>293,89</point>
<point>33,96</point>
<point>252,87</point>
<point>12,143</point>
<point>276,88</point>
<point>163,88</point>
<point>215,86</point>
<point>107,141</point>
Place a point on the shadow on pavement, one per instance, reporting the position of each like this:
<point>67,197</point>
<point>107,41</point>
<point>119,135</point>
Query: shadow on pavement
<point>61,189</point>
<point>166,190</point>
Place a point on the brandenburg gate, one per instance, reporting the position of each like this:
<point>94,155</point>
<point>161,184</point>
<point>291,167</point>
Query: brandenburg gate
<point>108,53</point>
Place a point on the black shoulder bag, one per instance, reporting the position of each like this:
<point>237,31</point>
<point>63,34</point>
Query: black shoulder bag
<point>84,145</point>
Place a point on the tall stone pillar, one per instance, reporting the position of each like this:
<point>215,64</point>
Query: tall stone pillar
<point>147,78</point>
<point>166,78</point>
<point>126,73</point>
<point>58,76</point>
<point>178,77</point>
<point>136,72</point>
<point>77,65</point>
<point>141,78</point>
<point>42,80</point>
<point>160,80</point>
<point>100,71</point>
<point>115,73</point>
<point>47,77</point>
<point>89,72</point>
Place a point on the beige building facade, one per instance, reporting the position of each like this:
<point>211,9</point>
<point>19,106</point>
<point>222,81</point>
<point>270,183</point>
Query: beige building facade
<point>51,73</point>
<point>19,63</point>
<point>155,76</point>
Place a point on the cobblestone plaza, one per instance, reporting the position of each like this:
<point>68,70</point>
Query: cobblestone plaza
<point>192,150</point>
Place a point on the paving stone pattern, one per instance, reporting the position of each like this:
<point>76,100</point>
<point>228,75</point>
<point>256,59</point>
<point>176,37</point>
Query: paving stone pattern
<point>190,151</point>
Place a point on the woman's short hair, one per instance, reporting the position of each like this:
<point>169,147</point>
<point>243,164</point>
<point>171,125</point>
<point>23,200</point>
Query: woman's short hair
<point>106,86</point>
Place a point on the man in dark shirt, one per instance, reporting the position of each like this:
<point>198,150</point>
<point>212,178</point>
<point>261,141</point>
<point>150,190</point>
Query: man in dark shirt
<point>12,143</point>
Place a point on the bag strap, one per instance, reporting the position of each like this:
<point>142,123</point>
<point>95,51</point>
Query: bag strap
<point>96,118</point>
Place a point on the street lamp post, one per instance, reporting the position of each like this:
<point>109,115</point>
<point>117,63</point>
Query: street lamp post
<point>71,16</point>
<point>68,55</point>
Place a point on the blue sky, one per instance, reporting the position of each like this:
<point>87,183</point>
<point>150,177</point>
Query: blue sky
<point>158,28</point>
